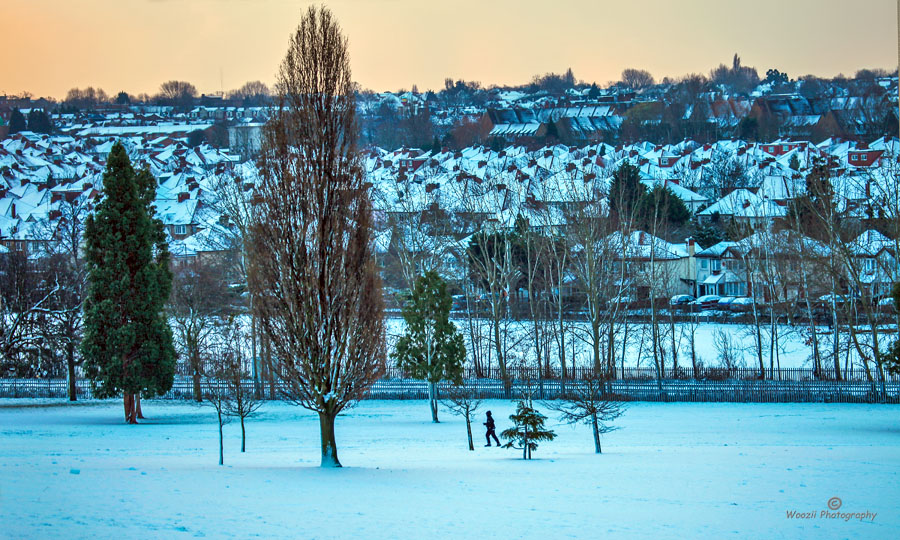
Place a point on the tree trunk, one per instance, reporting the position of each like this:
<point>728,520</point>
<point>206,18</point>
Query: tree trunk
<point>255,367</point>
<point>501,360</point>
<point>329,446</point>
<point>611,350</point>
<point>561,328</point>
<point>757,338</point>
<point>198,389</point>
<point>432,400</point>
<point>525,443</point>
<point>243,436</point>
<point>70,364</point>
<point>221,448</point>
<point>130,416</point>
<point>596,433</point>
<point>469,432</point>
<point>137,407</point>
<point>595,343</point>
<point>694,366</point>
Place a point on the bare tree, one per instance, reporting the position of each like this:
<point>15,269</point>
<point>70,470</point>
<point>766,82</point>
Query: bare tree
<point>199,300</point>
<point>313,275</point>
<point>461,401</point>
<point>26,297</point>
<point>588,402</point>
<point>179,94</point>
<point>62,263</point>
<point>233,201</point>
<point>730,355</point>
<point>253,92</point>
<point>218,395</point>
<point>232,353</point>
<point>89,98</point>
<point>637,78</point>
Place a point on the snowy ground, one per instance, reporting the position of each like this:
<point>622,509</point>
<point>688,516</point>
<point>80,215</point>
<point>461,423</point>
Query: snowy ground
<point>673,470</point>
<point>792,351</point>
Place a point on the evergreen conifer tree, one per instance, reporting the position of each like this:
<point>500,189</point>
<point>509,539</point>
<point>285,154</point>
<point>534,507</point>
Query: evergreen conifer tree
<point>39,122</point>
<point>626,191</point>
<point>127,345</point>
<point>16,122</point>
<point>528,429</point>
<point>432,347</point>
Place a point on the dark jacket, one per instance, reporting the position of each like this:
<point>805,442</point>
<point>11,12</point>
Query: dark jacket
<point>490,422</point>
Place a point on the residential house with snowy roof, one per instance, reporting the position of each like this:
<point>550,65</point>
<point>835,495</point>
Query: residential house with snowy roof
<point>721,270</point>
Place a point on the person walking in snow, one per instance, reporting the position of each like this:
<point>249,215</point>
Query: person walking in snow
<point>490,430</point>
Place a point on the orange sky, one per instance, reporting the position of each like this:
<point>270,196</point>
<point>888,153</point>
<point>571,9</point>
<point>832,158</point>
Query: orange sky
<point>50,46</point>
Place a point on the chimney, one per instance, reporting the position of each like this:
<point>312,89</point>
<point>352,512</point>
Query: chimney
<point>12,210</point>
<point>691,247</point>
<point>183,196</point>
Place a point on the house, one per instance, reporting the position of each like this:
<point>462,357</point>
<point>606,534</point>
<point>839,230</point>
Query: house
<point>744,207</point>
<point>654,266</point>
<point>875,265</point>
<point>864,157</point>
<point>721,270</point>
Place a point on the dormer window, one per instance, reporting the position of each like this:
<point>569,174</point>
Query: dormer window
<point>180,229</point>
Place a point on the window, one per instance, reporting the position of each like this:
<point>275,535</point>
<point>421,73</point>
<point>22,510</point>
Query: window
<point>716,265</point>
<point>785,148</point>
<point>180,229</point>
<point>703,263</point>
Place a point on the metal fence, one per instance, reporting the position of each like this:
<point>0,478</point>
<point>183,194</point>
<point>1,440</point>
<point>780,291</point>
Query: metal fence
<point>691,390</point>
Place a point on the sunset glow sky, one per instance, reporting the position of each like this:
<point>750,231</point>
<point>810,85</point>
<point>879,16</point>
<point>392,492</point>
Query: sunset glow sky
<point>49,46</point>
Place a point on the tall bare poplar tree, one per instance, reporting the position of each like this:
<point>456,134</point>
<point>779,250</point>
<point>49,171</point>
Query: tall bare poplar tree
<point>312,271</point>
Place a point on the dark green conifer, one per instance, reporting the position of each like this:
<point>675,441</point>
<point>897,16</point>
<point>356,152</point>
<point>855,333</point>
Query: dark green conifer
<point>127,345</point>
<point>432,347</point>
<point>528,429</point>
<point>16,122</point>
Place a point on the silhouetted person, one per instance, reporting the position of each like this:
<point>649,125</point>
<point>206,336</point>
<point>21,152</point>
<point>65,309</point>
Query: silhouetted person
<point>490,430</point>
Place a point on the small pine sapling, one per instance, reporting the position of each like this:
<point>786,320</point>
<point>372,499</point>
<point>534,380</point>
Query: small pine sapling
<point>528,429</point>
<point>587,402</point>
<point>461,401</point>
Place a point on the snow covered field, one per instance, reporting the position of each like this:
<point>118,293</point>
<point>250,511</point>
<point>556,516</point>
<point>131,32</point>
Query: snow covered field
<point>673,470</point>
<point>792,351</point>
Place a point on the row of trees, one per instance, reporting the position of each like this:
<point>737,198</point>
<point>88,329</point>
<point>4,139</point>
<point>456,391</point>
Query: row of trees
<point>37,121</point>
<point>182,95</point>
<point>582,254</point>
